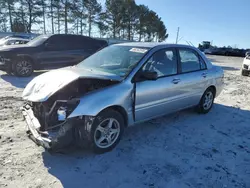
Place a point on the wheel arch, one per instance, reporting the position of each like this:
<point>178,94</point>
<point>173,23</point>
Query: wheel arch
<point>121,110</point>
<point>26,56</point>
<point>213,88</point>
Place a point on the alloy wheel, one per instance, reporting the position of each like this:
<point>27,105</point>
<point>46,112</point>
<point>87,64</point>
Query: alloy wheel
<point>23,67</point>
<point>208,100</point>
<point>107,132</point>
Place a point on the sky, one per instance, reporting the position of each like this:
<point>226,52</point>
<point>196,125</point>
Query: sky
<point>224,22</point>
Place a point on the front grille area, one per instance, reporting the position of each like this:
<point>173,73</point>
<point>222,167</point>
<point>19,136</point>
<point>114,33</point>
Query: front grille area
<point>245,67</point>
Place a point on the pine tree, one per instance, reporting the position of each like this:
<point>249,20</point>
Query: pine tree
<point>8,5</point>
<point>34,12</point>
<point>93,9</point>
<point>113,16</point>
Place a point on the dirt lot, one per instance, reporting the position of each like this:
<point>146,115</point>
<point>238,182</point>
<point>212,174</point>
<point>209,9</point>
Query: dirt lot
<point>179,150</point>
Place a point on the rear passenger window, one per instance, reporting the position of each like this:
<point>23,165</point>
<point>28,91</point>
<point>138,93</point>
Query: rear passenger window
<point>189,60</point>
<point>75,43</point>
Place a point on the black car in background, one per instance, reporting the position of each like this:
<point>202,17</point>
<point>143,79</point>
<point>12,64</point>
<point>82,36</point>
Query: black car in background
<point>226,52</point>
<point>237,52</point>
<point>46,52</point>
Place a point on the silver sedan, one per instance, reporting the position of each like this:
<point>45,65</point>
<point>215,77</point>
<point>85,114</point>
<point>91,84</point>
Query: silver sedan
<point>91,104</point>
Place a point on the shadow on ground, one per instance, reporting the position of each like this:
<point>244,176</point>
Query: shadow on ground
<point>179,145</point>
<point>213,60</point>
<point>19,82</point>
<point>229,68</point>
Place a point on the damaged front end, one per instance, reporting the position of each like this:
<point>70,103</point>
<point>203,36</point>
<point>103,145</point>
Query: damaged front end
<point>49,126</point>
<point>47,121</point>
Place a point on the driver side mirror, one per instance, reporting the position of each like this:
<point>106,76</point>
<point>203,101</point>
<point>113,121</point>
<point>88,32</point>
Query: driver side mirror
<point>146,75</point>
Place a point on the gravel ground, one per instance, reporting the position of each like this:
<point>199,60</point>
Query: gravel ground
<point>180,150</point>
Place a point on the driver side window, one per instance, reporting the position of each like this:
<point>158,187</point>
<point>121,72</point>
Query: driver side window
<point>164,62</point>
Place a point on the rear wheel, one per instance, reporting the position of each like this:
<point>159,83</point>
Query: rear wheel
<point>244,72</point>
<point>207,100</point>
<point>23,67</point>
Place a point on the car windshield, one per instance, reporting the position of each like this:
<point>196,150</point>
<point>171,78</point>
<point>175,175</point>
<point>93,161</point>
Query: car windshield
<point>115,59</point>
<point>38,40</point>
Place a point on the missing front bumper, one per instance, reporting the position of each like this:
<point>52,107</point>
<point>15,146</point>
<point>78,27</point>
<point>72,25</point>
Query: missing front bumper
<point>54,139</point>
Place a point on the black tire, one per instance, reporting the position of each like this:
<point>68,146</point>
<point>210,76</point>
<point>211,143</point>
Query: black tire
<point>89,134</point>
<point>201,108</point>
<point>23,67</point>
<point>244,73</point>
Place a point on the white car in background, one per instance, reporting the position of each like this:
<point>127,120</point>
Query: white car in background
<point>246,66</point>
<point>13,41</point>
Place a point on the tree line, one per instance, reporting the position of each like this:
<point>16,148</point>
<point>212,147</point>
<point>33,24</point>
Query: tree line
<point>122,19</point>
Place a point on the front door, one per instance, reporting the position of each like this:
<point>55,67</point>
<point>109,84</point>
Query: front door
<point>158,97</point>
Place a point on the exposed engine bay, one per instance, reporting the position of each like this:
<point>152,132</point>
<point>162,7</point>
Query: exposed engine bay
<point>60,105</point>
<point>52,114</point>
<point>80,87</point>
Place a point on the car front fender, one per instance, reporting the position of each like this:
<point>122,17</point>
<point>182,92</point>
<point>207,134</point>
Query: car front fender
<point>93,103</point>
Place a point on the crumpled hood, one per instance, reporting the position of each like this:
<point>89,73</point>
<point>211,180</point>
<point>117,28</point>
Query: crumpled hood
<point>45,85</point>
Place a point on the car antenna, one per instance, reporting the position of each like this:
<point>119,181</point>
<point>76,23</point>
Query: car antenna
<point>190,43</point>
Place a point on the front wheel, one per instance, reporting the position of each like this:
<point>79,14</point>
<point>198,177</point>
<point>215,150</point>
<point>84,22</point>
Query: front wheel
<point>107,130</point>
<point>102,132</point>
<point>206,102</point>
<point>23,67</point>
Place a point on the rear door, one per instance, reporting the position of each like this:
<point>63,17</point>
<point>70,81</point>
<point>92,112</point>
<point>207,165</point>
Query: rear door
<point>193,77</point>
<point>80,48</point>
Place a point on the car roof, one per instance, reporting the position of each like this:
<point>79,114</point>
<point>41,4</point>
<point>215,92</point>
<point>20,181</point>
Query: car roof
<point>153,44</point>
<point>82,36</point>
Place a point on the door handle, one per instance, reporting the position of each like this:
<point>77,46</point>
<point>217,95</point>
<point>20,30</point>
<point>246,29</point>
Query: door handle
<point>176,81</point>
<point>204,74</point>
